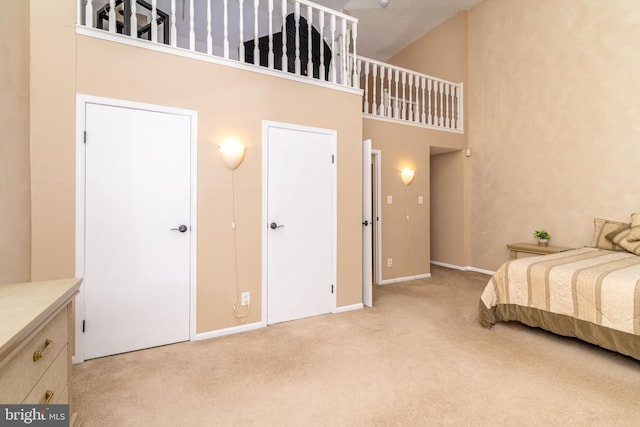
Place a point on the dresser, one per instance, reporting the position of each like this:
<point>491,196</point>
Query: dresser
<point>36,342</point>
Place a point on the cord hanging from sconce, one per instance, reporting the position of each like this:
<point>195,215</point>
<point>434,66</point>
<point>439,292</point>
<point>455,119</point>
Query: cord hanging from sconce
<point>232,154</point>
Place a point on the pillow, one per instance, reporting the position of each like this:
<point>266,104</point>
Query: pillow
<point>601,228</point>
<point>633,247</point>
<point>618,234</point>
<point>635,228</point>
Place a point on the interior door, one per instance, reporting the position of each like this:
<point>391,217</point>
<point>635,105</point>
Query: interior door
<point>367,226</point>
<point>137,231</point>
<point>300,176</point>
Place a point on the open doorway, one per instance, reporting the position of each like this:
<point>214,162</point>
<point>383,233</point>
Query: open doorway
<point>371,222</point>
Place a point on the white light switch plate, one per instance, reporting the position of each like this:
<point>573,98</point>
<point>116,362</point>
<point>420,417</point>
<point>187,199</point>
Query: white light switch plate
<point>420,200</point>
<point>389,200</point>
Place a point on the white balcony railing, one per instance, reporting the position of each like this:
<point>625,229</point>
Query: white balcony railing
<point>396,93</point>
<point>295,36</point>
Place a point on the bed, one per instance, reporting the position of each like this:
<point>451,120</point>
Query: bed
<point>591,293</point>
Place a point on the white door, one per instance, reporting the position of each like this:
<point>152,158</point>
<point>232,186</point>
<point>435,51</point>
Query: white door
<point>300,227</point>
<point>137,230</point>
<point>367,226</point>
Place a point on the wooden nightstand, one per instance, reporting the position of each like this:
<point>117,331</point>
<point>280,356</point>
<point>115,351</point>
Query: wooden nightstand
<point>522,250</point>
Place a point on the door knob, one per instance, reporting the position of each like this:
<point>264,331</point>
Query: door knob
<point>181,228</point>
<point>365,223</point>
<point>273,225</point>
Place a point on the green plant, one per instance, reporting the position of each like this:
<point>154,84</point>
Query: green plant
<point>542,235</point>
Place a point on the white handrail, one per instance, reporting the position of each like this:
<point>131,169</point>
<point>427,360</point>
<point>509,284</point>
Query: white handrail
<point>225,35</point>
<point>396,93</point>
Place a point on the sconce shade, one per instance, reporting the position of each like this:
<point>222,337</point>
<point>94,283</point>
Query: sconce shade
<point>232,153</point>
<point>407,176</point>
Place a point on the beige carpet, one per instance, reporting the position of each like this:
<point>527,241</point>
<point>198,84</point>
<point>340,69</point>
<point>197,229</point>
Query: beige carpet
<point>419,357</point>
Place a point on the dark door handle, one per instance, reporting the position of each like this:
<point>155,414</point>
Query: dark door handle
<point>365,223</point>
<point>181,228</point>
<point>273,225</point>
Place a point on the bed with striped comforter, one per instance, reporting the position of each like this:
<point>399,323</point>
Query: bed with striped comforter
<point>591,294</point>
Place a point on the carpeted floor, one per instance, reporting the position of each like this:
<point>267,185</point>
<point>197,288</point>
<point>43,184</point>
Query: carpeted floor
<point>417,358</point>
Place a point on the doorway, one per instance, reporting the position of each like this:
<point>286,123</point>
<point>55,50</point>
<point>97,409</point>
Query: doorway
<point>299,220</point>
<point>135,226</point>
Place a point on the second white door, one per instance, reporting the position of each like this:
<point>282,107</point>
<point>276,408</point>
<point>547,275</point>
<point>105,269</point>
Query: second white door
<point>300,213</point>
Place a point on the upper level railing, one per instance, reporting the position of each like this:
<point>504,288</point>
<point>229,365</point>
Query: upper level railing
<point>295,36</point>
<point>396,93</point>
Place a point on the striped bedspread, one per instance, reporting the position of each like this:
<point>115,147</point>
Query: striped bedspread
<point>599,287</point>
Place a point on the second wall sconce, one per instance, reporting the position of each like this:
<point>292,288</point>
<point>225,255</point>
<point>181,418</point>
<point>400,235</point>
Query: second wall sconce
<point>232,153</point>
<point>407,176</point>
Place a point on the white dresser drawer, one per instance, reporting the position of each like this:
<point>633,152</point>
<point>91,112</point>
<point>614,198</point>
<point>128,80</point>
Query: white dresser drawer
<point>53,382</point>
<point>21,373</point>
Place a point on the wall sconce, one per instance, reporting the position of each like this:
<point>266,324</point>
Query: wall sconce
<point>232,153</point>
<point>407,176</point>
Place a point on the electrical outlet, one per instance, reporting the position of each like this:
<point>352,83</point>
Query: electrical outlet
<point>389,262</point>
<point>245,298</point>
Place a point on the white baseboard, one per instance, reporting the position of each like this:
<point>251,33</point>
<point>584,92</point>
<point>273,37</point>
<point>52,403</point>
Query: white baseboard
<point>461,268</point>
<point>228,331</point>
<point>348,308</point>
<point>404,279</point>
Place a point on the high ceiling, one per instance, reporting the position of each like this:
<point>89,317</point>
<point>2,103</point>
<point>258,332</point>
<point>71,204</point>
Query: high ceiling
<point>384,31</point>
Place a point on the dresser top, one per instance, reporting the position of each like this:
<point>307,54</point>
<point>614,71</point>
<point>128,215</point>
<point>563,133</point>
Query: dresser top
<point>25,307</point>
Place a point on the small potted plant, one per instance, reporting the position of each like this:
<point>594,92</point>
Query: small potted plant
<point>543,237</point>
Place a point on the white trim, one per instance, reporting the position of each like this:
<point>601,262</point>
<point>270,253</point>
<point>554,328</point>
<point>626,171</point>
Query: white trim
<point>467,268</point>
<point>81,103</point>
<point>410,123</point>
<point>405,279</point>
<point>377,167</point>
<point>178,51</point>
<point>228,331</point>
<point>266,124</point>
<point>345,308</point>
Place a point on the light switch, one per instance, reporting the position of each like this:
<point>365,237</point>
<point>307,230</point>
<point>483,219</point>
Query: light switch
<point>389,200</point>
<point>420,200</point>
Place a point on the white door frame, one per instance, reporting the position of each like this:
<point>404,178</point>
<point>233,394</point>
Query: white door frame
<point>266,124</point>
<point>377,215</point>
<point>81,102</point>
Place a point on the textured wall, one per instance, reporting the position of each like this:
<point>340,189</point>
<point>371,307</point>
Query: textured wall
<point>14,142</point>
<point>553,120</point>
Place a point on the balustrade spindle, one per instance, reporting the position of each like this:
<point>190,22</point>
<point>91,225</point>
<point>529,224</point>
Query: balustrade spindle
<point>396,113</point>
<point>112,15</point>
<point>241,30</point>
<point>404,102</point>
<point>389,111</point>
<point>192,27</point>
<point>270,60</point>
<point>374,79</point>
<point>309,39</point>
<point>343,49</point>
<point>416,110</point>
<point>225,29</point>
<point>285,59</point>
<point>88,14</point>
<point>429,95</point>
<point>410,114</point>
<point>423,118</point>
<point>322,66</point>
<point>460,109</point>
<point>174,31</point>
<point>441,115</point>
<point>380,109</point>
<point>297,27</point>
<point>333,47</point>
<point>447,121</point>
<point>366,87</point>
<point>356,73</point>
<point>154,21</point>
<point>256,50</point>
<point>453,107</point>
<point>133,20</point>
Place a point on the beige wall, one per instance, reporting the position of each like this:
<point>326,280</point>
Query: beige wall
<point>553,120</point>
<point>440,53</point>
<point>14,142</point>
<point>407,243</point>
<point>228,102</point>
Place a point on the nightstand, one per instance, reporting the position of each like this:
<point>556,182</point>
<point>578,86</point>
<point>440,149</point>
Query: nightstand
<point>522,250</point>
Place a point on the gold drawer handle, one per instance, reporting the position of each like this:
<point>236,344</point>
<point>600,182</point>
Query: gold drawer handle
<point>47,397</point>
<point>37,355</point>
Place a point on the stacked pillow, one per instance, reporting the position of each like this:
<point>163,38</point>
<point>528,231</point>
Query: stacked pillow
<point>627,236</point>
